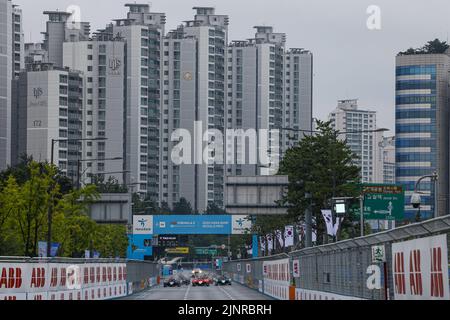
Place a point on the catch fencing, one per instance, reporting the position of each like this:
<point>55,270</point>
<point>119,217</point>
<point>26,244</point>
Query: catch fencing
<point>24,278</point>
<point>410,262</point>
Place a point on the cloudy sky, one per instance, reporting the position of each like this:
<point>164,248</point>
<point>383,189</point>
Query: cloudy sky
<point>350,61</point>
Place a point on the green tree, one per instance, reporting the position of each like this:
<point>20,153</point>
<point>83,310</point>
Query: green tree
<point>435,46</point>
<point>109,186</point>
<point>146,206</point>
<point>214,209</point>
<point>25,202</point>
<point>320,165</point>
<point>182,207</point>
<point>110,240</point>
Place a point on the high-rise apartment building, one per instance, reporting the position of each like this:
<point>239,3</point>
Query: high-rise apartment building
<point>18,55</point>
<point>60,28</point>
<point>269,88</point>
<point>356,125</point>
<point>179,98</point>
<point>49,106</point>
<point>422,129</point>
<point>35,53</point>
<point>256,96</point>
<point>143,32</point>
<point>103,66</point>
<point>298,105</point>
<point>194,99</point>
<point>385,160</point>
<point>11,62</point>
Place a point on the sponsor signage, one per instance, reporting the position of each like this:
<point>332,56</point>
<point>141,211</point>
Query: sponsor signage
<point>143,225</point>
<point>276,278</point>
<point>193,224</point>
<point>420,269</point>
<point>168,240</point>
<point>296,268</point>
<point>241,224</point>
<point>179,250</point>
<point>58,281</point>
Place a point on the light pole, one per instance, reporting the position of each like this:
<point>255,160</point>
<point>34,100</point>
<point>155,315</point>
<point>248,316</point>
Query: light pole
<point>415,199</point>
<point>91,160</point>
<point>308,231</point>
<point>50,207</point>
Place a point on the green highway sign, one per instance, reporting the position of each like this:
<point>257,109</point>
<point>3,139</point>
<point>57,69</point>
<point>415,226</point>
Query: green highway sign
<point>383,202</point>
<point>206,251</point>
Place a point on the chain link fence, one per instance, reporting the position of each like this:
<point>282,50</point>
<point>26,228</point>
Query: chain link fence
<point>343,268</point>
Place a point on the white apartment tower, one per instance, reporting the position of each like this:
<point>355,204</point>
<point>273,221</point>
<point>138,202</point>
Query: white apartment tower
<point>60,28</point>
<point>11,62</point>
<point>269,87</point>
<point>204,184</point>
<point>355,124</point>
<point>102,63</point>
<point>49,107</point>
<point>143,32</point>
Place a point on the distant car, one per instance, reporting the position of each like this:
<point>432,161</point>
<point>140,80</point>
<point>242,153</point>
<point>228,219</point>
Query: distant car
<point>172,282</point>
<point>184,281</point>
<point>196,272</point>
<point>223,281</point>
<point>201,282</point>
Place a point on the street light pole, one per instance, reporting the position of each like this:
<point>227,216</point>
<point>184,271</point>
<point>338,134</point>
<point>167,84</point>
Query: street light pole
<point>361,210</point>
<point>50,209</point>
<point>50,206</point>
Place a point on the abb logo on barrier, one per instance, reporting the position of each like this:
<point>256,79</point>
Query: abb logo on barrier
<point>37,277</point>
<point>11,278</point>
<point>420,268</point>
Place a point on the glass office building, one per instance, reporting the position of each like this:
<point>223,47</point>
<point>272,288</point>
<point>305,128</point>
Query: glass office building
<point>422,130</point>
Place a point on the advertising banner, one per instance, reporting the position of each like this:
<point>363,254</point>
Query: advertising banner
<point>420,269</point>
<point>58,281</point>
<point>192,224</point>
<point>296,268</point>
<point>276,276</point>
<point>241,224</point>
<point>143,225</point>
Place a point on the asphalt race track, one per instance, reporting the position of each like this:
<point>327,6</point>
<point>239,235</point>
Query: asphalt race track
<point>234,292</point>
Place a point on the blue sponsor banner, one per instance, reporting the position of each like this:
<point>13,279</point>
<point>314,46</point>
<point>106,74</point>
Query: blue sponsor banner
<point>192,224</point>
<point>255,244</point>
<point>139,246</point>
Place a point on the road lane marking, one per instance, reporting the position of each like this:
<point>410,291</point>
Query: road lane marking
<point>187,292</point>
<point>225,291</point>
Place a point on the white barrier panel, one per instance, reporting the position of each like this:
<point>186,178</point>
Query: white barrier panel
<point>276,276</point>
<point>420,269</point>
<point>58,281</point>
<point>303,294</point>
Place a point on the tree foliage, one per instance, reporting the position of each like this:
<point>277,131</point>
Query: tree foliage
<point>431,47</point>
<point>321,166</point>
<point>182,207</point>
<point>27,191</point>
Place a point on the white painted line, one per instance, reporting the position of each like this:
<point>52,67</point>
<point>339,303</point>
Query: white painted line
<point>187,292</point>
<point>226,292</point>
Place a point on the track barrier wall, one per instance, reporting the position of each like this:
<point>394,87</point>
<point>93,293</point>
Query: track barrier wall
<point>410,262</point>
<point>23,278</point>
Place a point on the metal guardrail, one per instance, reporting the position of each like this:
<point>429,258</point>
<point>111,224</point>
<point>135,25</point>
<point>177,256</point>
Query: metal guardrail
<point>340,268</point>
<point>142,274</point>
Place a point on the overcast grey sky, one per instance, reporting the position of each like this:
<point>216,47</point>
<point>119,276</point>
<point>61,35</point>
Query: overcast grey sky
<point>350,61</point>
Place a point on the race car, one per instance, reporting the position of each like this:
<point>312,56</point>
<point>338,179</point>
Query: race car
<point>184,281</point>
<point>200,282</point>
<point>172,282</point>
<point>223,281</point>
